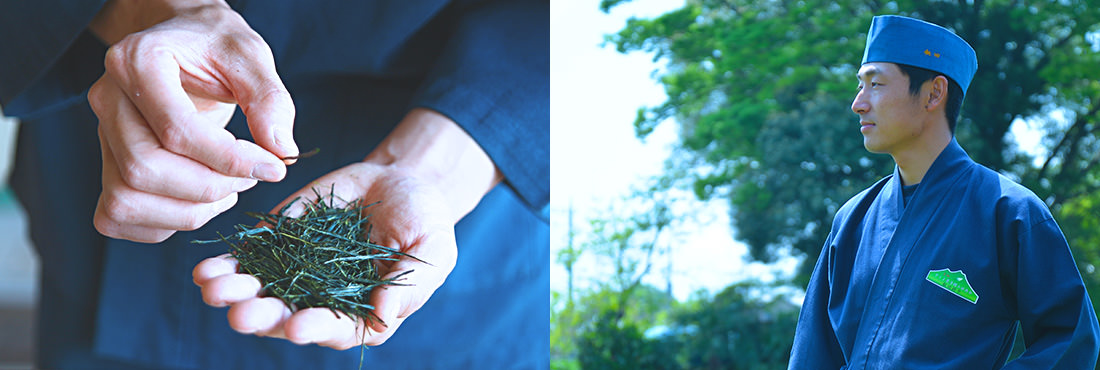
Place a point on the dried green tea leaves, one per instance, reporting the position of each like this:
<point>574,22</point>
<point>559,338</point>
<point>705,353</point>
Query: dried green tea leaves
<point>303,155</point>
<point>324,258</point>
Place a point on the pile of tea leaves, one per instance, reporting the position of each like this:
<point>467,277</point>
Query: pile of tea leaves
<point>323,258</point>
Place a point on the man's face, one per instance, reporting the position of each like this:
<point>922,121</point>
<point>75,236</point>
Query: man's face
<point>889,116</point>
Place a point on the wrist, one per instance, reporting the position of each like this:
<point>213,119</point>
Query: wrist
<point>435,149</point>
<point>118,18</point>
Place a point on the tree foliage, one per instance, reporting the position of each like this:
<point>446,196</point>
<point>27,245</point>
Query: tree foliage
<point>1080,221</point>
<point>614,343</point>
<point>761,92</point>
<point>742,327</point>
<point>738,329</point>
<point>576,331</point>
<point>602,329</point>
<point>629,244</point>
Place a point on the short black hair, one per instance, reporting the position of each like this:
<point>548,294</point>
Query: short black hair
<point>918,76</point>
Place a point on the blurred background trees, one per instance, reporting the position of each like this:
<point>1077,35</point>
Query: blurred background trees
<point>760,93</point>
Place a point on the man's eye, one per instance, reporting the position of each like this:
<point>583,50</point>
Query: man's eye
<point>873,84</point>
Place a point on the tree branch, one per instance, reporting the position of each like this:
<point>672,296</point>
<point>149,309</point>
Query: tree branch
<point>629,290</point>
<point>1046,56</point>
<point>1073,137</point>
<point>1075,132</point>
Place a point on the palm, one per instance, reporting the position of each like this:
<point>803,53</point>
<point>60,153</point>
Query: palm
<point>411,217</point>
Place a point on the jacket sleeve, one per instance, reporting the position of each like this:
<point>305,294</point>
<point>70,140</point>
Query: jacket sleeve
<point>1056,316</point>
<point>45,64</point>
<point>493,79</point>
<point>815,342</point>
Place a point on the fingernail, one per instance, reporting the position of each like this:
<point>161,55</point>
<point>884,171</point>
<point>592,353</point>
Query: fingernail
<point>285,140</point>
<point>265,172</point>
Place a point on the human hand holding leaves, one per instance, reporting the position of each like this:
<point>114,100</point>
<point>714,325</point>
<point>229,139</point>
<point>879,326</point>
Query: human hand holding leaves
<point>412,219</point>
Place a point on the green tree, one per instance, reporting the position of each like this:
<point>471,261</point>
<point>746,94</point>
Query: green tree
<point>568,257</point>
<point>1080,220</point>
<point>761,90</point>
<point>628,244</point>
<point>598,333</point>
<point>564,321</point>
<point>745,326</point>
<point>598,326</point>
<point>613,344</point>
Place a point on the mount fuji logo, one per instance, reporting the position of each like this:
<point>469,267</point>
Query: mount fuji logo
<point>954,282</point>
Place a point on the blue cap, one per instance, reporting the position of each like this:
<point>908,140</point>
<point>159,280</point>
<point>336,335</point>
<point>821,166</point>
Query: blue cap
<point>903,40</point>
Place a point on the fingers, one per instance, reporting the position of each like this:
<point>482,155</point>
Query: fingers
<point>181,111</point>
<point>408,220</point>
<point>230,288</point>
<point>117,230</point>
<point>221,284</point>
<point>150,169</point>
<point>146,164</point>
<point>260,316</point>
<point>125,205</point>
<point>149,192</point>
<point>395,303</point>
<point>250,314</point>
<point>263,98</point>
<point>321,326</point>
<point>213,267</point>
<point>126,213</point>
<point>123,212</point>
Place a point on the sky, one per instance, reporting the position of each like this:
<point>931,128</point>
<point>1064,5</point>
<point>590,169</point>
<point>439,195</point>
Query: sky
<point>595,158</point>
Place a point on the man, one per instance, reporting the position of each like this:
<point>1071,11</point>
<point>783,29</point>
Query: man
<point>933,266</point>
<point>438,109</point>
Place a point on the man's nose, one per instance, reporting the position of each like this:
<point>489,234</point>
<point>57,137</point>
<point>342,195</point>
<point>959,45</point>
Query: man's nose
<point>860,105</point>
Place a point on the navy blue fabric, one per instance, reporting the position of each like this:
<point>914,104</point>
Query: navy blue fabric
<point>907,193</point>
<point>488,111</point>
<point>354,69</point>
<point>870,304</point>
<point>36,34</point>
<point>914,42</point>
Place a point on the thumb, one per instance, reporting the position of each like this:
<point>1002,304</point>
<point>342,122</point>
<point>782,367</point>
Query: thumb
<point>266,103</point>
<point>417,282</point>
<point>391,302</point>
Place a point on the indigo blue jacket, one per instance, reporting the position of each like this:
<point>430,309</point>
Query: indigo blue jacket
<point>942,282</point>
<point>354,68</point>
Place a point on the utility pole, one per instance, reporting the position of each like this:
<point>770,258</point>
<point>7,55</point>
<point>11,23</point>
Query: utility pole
<point>571,259</point>
<point>668,270</point>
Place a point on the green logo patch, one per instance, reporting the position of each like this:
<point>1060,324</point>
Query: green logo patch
<point>954,282</point>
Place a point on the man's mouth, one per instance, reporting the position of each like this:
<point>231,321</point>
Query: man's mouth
<point>865,126</point>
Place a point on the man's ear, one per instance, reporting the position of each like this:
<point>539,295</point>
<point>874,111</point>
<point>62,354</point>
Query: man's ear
<point>937,93</point>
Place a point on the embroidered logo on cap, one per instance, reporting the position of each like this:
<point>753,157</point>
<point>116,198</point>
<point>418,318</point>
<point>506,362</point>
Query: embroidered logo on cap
<point>929,52</point>
<point>954,282</point>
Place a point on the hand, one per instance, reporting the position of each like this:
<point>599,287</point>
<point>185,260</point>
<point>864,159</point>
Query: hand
<point>427,174</point>
<point>411,217</point>
<point>163,103</point>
